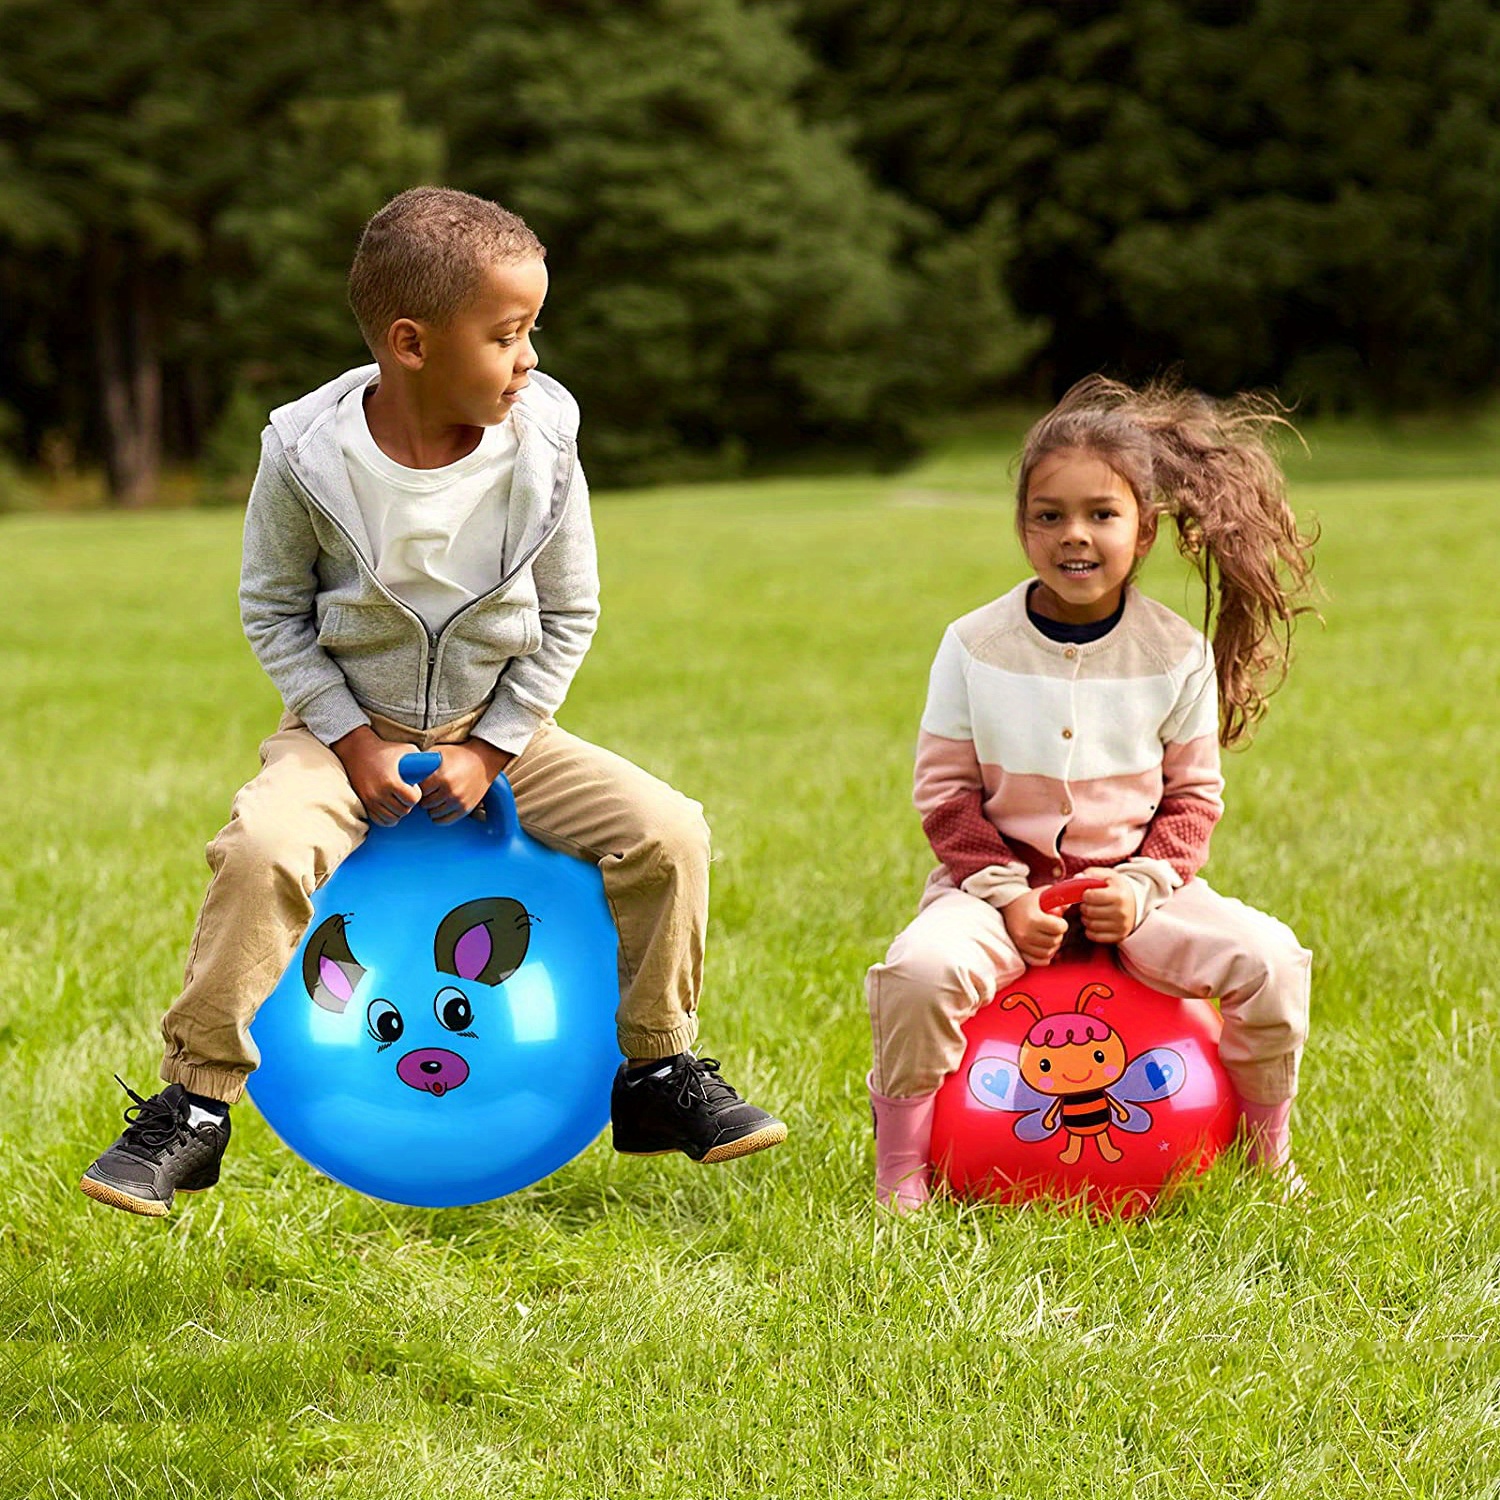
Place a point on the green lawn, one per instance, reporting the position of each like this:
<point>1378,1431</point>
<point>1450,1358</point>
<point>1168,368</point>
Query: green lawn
<point>632,1328</point>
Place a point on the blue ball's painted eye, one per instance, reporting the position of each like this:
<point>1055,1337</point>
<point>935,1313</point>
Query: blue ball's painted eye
<point>384,1021</point>
<point>453,1010</point>
<point>1045,1065</point>
<point>1098,1055</point>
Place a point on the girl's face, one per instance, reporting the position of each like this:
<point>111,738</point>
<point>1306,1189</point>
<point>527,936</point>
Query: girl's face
<point>1082,531</point>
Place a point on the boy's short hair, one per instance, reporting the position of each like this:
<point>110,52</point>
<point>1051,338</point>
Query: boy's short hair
<point>424,256</point>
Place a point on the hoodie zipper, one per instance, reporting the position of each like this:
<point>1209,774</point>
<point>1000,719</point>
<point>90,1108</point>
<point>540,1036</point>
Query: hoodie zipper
<point>434,640</point>
<point>560,484</point>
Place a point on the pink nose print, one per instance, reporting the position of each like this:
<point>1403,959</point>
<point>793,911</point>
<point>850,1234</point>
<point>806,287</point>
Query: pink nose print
<point>434,1070</point>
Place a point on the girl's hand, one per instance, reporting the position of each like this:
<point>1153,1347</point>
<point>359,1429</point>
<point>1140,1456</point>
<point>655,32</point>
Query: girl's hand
<point>1108,911</point>
<point>458,786</point>
<point>1037,934</point>
<point>372,765</point>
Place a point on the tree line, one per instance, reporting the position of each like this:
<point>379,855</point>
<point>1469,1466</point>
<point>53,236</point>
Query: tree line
<point>775,226</point>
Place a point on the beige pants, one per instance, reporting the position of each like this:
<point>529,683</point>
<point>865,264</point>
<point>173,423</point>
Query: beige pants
<point>295,822</point>
<point>957,953</point>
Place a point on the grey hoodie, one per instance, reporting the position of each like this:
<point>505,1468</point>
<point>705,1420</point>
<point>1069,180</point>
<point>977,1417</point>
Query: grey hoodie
<point>337,642</point>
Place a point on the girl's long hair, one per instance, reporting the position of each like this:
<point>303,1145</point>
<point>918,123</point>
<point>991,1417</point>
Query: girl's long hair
<point>1207,465</point>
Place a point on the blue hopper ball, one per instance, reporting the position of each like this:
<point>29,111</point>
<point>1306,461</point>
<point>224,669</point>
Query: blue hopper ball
<point>445,1033</point>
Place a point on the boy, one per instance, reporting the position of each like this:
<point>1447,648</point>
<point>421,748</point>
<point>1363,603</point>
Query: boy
<point>419,573</point>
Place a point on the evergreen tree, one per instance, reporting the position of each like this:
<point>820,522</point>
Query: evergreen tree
<point>157,159</point>
<point>729,282</point>
<point>1268,190</point>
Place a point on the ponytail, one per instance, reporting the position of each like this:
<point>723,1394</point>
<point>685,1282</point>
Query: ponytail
<point>1208,466</point>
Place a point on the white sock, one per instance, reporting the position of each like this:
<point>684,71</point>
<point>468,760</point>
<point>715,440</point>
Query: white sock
<point>214,1112</point>
<point>634,1076</point>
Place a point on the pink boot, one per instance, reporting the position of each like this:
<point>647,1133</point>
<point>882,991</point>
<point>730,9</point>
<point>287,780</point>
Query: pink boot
<point>1267,1133</point>
<point>903,1143</point>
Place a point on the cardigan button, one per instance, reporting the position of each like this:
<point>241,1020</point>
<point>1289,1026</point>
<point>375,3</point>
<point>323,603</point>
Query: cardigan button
<point>1070,653</point>
<point>1067,734</point>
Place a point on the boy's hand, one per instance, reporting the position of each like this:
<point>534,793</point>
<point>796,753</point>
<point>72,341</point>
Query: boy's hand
<point>1108,911</point>
<point>371,765</point>
<point>457,787</point>
<point>1037,934</point>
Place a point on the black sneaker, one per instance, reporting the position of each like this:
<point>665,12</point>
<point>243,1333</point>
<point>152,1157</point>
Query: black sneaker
<point>688,1108</point>
<point>158,1155</point>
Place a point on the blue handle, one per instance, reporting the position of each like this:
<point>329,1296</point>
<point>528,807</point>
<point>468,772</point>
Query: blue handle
<point>499,801</point>
<point>500,808</point>
<point>418,766</point>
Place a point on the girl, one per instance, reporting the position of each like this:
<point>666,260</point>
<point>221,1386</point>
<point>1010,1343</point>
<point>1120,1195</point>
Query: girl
<point>1073,727</point>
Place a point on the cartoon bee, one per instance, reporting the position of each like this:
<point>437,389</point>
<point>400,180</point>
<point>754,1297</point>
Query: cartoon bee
<point>1072,1072</point>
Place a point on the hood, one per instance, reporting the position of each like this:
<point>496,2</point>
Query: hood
<point>545,405</point>
<point>548,415</point>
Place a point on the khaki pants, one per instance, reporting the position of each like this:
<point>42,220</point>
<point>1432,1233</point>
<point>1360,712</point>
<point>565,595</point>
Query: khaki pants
<point>299,819</point>
<point>957,953</point>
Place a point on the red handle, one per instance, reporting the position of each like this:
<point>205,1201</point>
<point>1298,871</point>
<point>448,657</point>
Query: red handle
<point>1067,893</point>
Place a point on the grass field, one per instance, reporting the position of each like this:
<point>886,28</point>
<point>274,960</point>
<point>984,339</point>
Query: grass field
<point>632,1328</point>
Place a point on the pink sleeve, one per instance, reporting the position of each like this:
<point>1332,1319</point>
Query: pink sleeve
<point>965,840</point>
<point>949,793</point>
<point>1192,802</point>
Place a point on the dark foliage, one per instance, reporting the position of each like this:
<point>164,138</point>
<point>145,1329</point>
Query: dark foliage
<point>1293,192</point>
<point>773,228</point>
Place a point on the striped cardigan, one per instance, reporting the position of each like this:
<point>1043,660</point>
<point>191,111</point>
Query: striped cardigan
<point>1038,759</point>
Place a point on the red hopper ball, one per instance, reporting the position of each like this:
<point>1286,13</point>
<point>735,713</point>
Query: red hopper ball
<point>1079,1082</point>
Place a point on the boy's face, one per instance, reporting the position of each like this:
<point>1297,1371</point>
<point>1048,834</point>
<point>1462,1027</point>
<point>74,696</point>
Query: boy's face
<point>475,367</point>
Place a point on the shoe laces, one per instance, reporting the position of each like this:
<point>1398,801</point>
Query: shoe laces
<point>151,1123</point>
<point>701,1080</point>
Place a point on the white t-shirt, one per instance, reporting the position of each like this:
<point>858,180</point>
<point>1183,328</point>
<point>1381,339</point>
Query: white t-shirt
<point>438,535</point>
